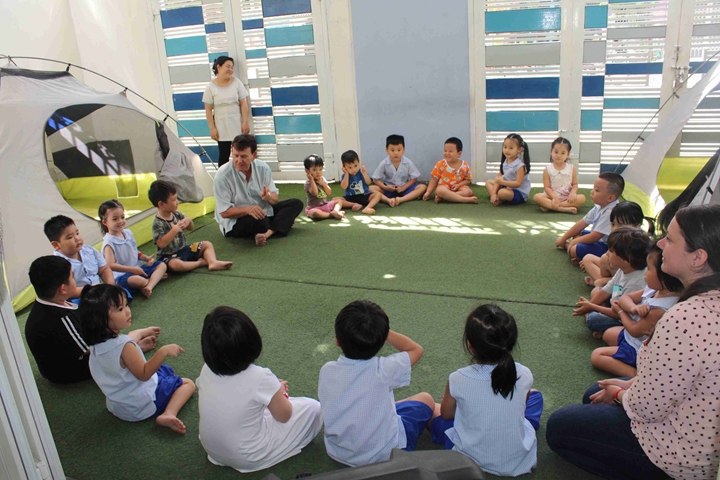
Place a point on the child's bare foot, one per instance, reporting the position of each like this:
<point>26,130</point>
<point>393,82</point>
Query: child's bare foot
<point>260,239</point>
<point>495,200</point>
<point>474,199</point>
<point>148,343</point>
<point>598,335</point>
<point>437,199</point>
<point>220,265</point>
<point>202,262</point>
<point>543,209</point>
<point>356,207</point>
<point>171,422</point>
<point>589,281</point>
<point>164,277</point>
<point>339,215</point>
<point>570,210</point>
<point>393,202</point>
<point>368,211</point>
<point>146,291</point>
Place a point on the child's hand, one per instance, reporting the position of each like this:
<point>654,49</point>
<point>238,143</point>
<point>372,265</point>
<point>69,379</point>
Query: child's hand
<point>172,350</point>
<point>344,170</point>
<point>454,187</point>
<point>309,175</point>
<point>555,202</point>
<point>285,388</point>
<point>400,189</point>
<point>616,307</point>
<point>560,243</point>
<point>138,271</point>
<point>363,169</point>
<point>426,196</point>
<point>641,310</point>
<point>584,307</point>
<point>150,260</point>
<point>572,197</point>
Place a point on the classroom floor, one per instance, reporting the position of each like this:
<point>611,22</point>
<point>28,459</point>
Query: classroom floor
<point>427,265</point>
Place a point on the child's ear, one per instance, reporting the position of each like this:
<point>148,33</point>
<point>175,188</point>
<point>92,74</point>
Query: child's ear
<point>55,244</point>
<point>470,347</point>
<point>336,341</point>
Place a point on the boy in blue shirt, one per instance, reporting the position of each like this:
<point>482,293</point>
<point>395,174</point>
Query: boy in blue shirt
<point>397,175</point>
<point>356,183</point>
<point>363,423</point>
<point>605,193</point>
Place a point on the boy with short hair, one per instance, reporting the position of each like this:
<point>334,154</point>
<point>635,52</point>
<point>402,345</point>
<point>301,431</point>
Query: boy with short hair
<point>605,193</point>
<point>53,329</point>
<point>88,265</point>
<point>356,182</point>
<point>452,176</point>
<point>167,230</point>
<point>627,250</point>
<point>396,175</point>
<point>363,423</point>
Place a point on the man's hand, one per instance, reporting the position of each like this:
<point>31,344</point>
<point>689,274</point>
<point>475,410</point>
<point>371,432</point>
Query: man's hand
<point>265,194</point>
<point>257,213</point>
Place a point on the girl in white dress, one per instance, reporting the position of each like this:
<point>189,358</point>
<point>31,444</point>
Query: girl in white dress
<point>226,106</point>
<point>247,420</point>
<point>560,181</point>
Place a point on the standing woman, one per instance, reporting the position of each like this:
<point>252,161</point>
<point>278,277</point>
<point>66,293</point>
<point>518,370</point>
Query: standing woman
<point>226,107</point>
<point>666,420</point>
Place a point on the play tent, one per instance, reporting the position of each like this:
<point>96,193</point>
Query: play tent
<point>64,149</point>
<point>641,174</point>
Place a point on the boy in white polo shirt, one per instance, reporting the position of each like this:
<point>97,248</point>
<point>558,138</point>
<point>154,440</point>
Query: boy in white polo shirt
<point>363,423</point>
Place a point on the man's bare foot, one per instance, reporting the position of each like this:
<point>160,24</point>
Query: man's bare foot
<point>260,239</point>
<point>148,343</point>
<point>368,211</point>
<point>146,291</point>
<point>339,215</point>
<point>356,207</point>
<point>171,422</point>
<point>437,199</point>
<point>220,265</point>
<point>589,281</point>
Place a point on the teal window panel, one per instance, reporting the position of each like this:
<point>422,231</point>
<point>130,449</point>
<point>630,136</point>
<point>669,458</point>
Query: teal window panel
<point>185,46</point>
<point>213,56</point>
<point>591,120</point>
<point>596,16</point>
<point>197,128</point>
<point>298,124</point>
<point>652,103</point>
<point>181,17</point>
<point>256,53</point>
<point>265,139</point>
<point>528,121</point>
<point>529,20</point>
<point>284,36</point>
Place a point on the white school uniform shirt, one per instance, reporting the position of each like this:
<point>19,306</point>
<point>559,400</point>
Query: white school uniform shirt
<point>387,173</point>
<point>491,429</point>
<point>599,218</point>
<point>126,396</point>
<point>358,407</point>
<point>86,269</point>
<point>621,284</point>
<point>510,174</point>
<point>226,108</point>
<point>233,190</point>
<point>664,303</point>
<point>125,250</point>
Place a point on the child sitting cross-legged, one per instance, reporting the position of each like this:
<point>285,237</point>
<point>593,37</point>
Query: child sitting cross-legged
<point>135,389</point>
<point>247,420</point>
<point>359,193</point>
<point>639,312</point>
<point>512,183</point>
<point>363,423</point>
<point>397,176</point>
<point>167,231</point>
<point>560,183</point>
<point>317,189</point>
<point>452,176</point>
<point>628,249</point>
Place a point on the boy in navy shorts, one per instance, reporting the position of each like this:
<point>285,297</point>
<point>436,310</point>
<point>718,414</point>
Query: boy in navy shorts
<point>359,191</point>
<point>363,423</point>
<point>167,230</point>
<point>397,175</point>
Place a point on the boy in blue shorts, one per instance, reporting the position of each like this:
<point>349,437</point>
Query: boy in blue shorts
<point>396,175</point>
<point>167,231</point>
<point>359,193</point>
<point>363,423</point>
<point>88,265</point>
<point>605,193</point>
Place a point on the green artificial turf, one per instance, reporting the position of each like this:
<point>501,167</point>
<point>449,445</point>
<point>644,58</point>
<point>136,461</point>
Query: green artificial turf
<point>427,265</point>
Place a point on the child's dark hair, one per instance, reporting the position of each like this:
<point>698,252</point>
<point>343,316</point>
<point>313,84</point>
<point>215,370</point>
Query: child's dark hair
<point>455,141</point>
<point>361,329</point>
<point>220,61</point>
<point>350,156</point>
<point>561,141</point>
<point>630,244</point>
<point>160,191</point>
<point>48,273</point>
<point>631,214</point>
<point>492,333</point>
<point>312,161</point>
<point>105,207</point>
<point>245,141</point>
<point>616,183</point>
<point>525,153</point>
<point>672,284</point>
<point>95,304</point>
<point>55,226</point>
<point>230,341</point>
<point>394,139</point>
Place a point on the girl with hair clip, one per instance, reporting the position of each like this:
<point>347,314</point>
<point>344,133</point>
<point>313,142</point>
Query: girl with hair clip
<point>512,183</point>
<point>489,411</point>
<point>226,106</point>
<point>560,181</point>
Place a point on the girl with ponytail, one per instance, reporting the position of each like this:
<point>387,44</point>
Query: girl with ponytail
<point>489,411</point>
<point>512,183</point>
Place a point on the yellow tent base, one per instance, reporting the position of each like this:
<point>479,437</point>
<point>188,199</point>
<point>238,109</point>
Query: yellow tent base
<point>143,234</point>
